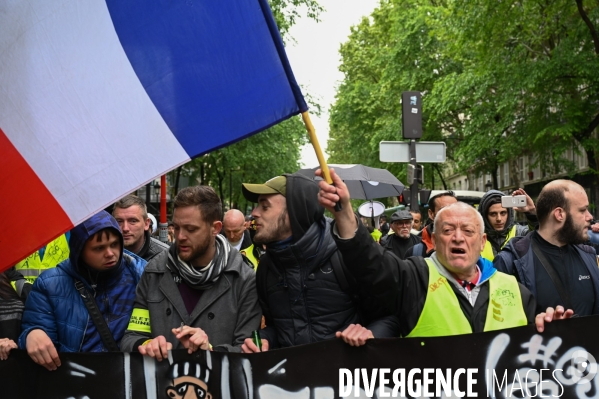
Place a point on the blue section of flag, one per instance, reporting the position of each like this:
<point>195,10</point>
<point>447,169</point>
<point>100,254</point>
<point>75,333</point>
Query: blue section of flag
<point>215,70</point>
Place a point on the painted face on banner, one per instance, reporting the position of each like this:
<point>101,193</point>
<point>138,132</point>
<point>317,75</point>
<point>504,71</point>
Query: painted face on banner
<point>188,388</point>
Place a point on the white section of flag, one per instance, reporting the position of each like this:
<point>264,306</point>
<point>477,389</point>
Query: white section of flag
<point>70,95</point>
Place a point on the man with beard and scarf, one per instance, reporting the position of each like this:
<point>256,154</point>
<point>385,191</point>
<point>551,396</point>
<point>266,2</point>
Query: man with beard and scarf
<point>200,294</point>
<point>56,318</point>
<point>300,276</point>
<point>552,262</point>
<point>500,225</point>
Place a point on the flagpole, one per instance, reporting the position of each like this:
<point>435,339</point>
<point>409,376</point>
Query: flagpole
<point>163,225</point>
<point>323,165</point>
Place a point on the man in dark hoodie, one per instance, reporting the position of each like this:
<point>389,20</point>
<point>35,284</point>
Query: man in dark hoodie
<point>131,214</point>
<point>300,276</point>
<point>56,318</point>
<point>500,225</point>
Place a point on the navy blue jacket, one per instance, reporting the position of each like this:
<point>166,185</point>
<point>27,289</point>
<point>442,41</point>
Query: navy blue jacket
<point>56,307</point>
<point>517,259</point>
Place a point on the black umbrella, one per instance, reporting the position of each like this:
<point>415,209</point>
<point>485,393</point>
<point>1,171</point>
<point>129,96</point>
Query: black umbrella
<point>364,182</point>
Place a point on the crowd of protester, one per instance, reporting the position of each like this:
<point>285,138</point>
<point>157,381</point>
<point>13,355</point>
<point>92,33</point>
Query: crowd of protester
<point>288,275</point>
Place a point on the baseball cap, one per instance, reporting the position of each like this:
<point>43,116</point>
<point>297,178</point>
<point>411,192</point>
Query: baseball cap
<point>276,185</point>
<point>401,215</point>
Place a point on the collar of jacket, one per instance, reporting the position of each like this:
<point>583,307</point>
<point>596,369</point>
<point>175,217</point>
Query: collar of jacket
<point>159,263</point>
<point>314,248</point>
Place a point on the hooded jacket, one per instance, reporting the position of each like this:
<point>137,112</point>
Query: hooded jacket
<point>299,292</point>
<point>56,307</point>
<point>497,239</point>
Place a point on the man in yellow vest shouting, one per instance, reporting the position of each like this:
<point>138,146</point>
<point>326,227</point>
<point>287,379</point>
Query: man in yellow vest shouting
<point>455,291</point>
<point>500,225</point>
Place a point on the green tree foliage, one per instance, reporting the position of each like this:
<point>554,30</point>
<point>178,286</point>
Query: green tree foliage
<point>500,79</point>
<point>262,156</point>
<point>254,160</point>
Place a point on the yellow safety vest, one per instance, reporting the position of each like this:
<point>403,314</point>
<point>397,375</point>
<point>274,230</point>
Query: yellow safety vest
<point>249,253</point>
<point>443,316</point>
<point>56,251</point>
<point>487,251</point>
<point>376,235</point>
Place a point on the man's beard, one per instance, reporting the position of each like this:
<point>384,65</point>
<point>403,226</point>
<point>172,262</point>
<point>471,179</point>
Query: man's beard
<point>272,234</point>
<point>198,251</point>
<point>569,234</point>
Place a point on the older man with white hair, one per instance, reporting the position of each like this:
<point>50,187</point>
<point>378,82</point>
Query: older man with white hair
<point>455,291</point>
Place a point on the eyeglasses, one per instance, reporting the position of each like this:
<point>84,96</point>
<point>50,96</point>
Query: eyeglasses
<point>402,222</point>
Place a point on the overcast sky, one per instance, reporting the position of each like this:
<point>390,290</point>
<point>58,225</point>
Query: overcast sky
<point>315,59</point>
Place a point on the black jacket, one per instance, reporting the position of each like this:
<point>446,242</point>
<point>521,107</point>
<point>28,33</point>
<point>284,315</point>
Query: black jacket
<point>298,288</point>
<point>401,286</point>
<point>387,243</point>
<point>152,247</point>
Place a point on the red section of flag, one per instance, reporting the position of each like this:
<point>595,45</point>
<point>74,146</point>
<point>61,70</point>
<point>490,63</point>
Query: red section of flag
<point>30,215</point>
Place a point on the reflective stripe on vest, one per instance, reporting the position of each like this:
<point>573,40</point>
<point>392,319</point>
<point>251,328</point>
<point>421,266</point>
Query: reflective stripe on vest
<point>443,316</point>
<point>140,321</point>
<point>249,253</point>
<point>487,251</point>
<point>56,251</point>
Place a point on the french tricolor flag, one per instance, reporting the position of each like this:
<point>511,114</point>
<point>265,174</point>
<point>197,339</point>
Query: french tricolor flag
<point>98,97</point>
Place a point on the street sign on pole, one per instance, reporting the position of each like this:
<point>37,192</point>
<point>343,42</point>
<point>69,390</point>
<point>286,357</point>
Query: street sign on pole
<point>399,151</point>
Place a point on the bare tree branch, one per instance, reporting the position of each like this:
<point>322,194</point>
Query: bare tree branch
<point>587,21</point>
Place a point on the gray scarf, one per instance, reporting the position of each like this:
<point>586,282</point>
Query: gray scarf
<point>201,279</point>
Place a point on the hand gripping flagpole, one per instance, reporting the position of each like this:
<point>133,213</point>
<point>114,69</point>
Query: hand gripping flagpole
<point>323,165</point>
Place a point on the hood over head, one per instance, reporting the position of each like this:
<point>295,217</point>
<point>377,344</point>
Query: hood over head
<point>82,232</point>
<point>302,204</point>
<point>483,209</point>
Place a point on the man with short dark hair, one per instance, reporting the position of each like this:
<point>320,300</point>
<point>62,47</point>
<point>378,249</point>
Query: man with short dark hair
<point>200,293</point>
<point>304,293</point>
<point>131,214</point>
<point>500,225</point>
<point>402,239</point>
<point>56,318</point>
<point>553,262</point>
<point>435,204</point>
<point>417,221</point>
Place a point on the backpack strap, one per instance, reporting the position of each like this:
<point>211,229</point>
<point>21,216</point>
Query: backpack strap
<point>419,250</point>
<point>96,316</point>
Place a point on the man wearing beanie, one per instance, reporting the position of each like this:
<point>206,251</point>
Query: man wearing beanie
<point>56,317</point>
<point>305,291</point>
<point>500,225</point>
